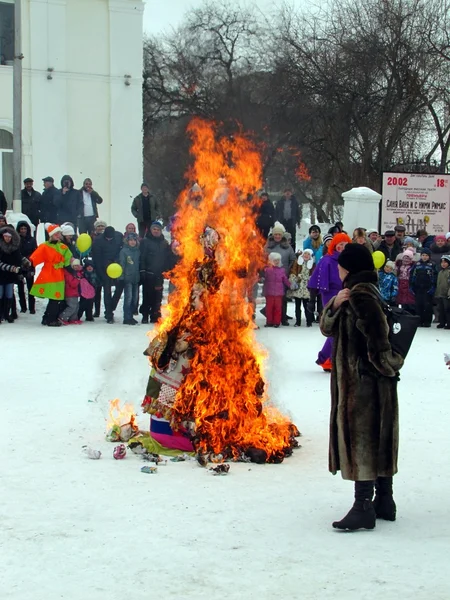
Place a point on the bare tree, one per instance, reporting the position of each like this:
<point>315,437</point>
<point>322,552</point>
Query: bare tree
<point>354,87</point>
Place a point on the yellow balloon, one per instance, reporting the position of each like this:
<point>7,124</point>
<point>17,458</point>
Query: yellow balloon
<point>84,242</point>
<point>378,259</point>
<point>114,270</point>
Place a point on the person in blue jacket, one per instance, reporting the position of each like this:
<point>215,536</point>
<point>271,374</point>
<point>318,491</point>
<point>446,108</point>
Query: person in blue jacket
<point>314,242</point>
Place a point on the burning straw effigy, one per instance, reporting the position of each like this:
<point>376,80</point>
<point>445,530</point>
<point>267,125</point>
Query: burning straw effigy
<point>206,392</point>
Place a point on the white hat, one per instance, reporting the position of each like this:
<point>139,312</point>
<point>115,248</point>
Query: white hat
<point>67,230</point>
<point>278,228</point>
<point>273,256</point>
<point>447,235</point>
<point>369,231</point>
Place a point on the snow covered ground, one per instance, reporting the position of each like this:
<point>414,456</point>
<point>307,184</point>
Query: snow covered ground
<point>79,529</point>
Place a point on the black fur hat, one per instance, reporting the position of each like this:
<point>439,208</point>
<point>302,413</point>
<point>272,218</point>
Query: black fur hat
<point>356,258</point>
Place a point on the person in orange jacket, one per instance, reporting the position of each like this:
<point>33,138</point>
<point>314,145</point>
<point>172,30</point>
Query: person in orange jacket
<point>50,283</point>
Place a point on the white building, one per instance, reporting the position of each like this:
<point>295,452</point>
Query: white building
<point>82,96</point>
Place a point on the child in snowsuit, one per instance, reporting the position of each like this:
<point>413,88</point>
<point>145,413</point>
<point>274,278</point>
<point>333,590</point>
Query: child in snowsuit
<point>443,293</point>
<point>405,297</point>
<point>388,283</point>
<point>423,284</point>
<point>275,282</point>
<point>129,258</point>
<point>88,288</point>
<point>301,271</point>
<point>72,277</point>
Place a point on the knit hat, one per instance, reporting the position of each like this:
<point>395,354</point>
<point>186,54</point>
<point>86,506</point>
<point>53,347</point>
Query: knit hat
<point>327,238</point>
<point>337,239</point>
<point>390,264</point>
<point>7,233</point>
<point>369,231</point>
<point>440,236</point>
<point>356,258</point>
<point>308,250</point>
<point>446,257</point>
<point>67,230</point>
<point>315,228</point>
<point>131,236</point>
<point>109,232</point>
<point>278,228</point>
<point>447,235</point>
<point>409,240</point>
<point>425,251</point>
<point>156,224</point>
<point>100,223</point>
<point>75,262</point>
<point>408,253</point>
<point>88,262</point>
<point>273,256</point>
<point>52,229</point>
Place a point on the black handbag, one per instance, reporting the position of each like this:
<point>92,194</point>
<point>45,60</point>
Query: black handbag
<point>402,326</point>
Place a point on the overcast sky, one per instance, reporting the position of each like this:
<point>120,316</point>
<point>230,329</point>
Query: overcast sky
<point>163,14</point>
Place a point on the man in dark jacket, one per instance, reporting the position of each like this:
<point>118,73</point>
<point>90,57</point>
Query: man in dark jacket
<point>68,202</point>
<point>106,250</point>
<point>3,203</point>
<point>146,209</point>
<point>31,200</point>
<point>27,246</point>
<point>48,204</point>
<point>265,215</point>
<point>287,212</point>
<point>155,260</point>
<point>424,239</point>
<point>89,211</point>
<point>390,246</point>
<point>422,281</point>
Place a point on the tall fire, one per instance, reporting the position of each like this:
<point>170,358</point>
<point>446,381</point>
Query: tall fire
<point>207,365</point>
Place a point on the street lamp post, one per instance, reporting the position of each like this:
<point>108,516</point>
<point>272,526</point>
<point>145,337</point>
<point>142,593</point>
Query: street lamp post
<point>17,107</point>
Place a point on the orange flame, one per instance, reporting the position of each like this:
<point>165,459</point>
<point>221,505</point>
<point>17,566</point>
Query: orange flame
<point>223,392</point>
<point>119,416</point>
<point>302,173</point>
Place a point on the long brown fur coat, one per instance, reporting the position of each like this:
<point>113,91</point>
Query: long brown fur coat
<point>364,404</point>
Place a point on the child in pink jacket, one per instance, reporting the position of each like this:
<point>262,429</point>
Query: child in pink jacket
<point>72,277</point>
<point>275,284</point>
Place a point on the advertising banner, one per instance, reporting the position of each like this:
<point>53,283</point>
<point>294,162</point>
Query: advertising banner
<point>417,201</point>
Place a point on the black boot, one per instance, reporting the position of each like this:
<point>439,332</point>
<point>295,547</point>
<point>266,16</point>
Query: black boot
<point>8,310</point>
<point>362,514</point>
<point>13,310</point>
<point>32,304</point>
<point>383,503</point>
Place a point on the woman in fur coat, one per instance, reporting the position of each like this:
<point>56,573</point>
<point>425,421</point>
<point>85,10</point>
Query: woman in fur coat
<point>364,405</point>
